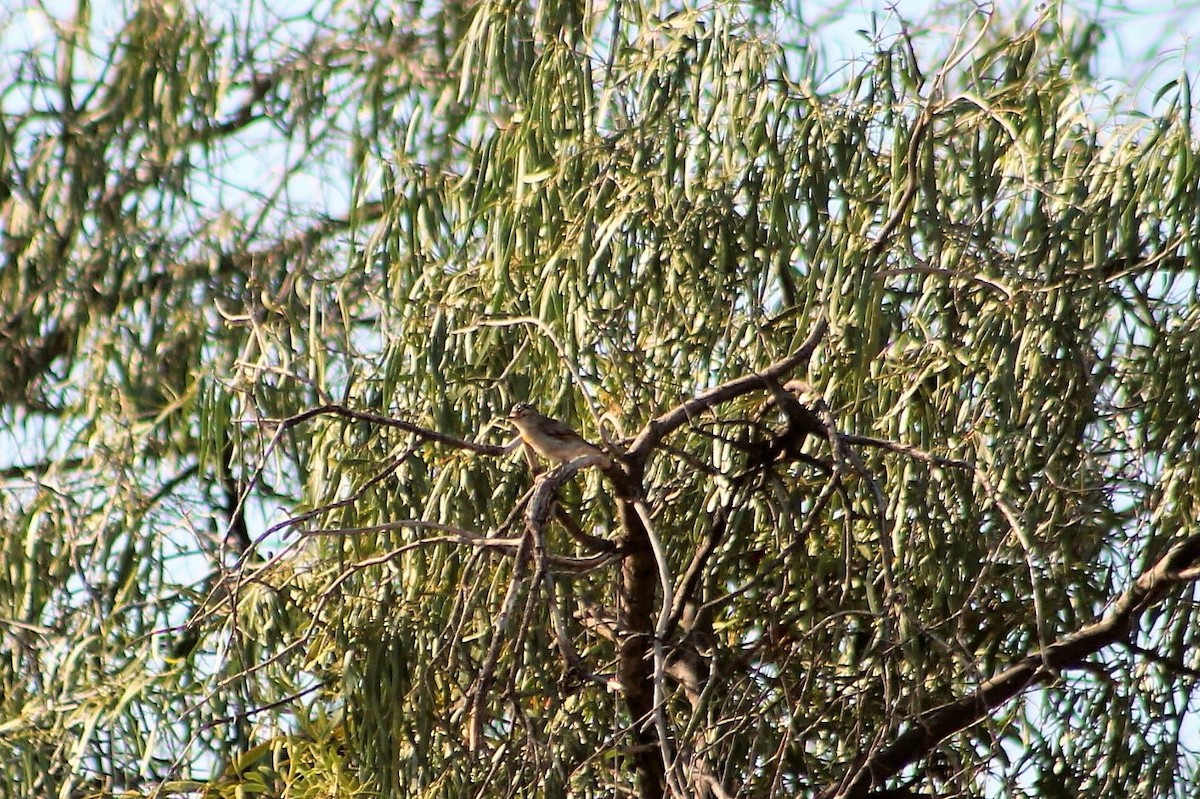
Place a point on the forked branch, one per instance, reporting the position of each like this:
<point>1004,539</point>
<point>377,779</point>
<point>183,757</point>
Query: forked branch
<point>657,429</point>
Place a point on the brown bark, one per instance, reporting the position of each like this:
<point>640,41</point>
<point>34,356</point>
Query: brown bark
<point>639,578</point>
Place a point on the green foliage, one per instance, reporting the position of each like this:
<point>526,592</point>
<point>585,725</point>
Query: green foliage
<point>249,264</point>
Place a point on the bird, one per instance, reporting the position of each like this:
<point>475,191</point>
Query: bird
<point>550,438</point>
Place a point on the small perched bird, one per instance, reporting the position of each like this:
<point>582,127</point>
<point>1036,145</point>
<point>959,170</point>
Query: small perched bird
<point>548,437</point>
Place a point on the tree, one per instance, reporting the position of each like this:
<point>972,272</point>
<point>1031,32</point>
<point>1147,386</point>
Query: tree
<point>894,363</point>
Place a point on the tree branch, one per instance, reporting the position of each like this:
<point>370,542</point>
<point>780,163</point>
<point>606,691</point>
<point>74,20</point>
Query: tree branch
<point>657,429</point>
<point>928,729</point>
<point>399,424</point>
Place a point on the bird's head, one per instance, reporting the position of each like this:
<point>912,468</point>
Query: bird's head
<point>522,410</point>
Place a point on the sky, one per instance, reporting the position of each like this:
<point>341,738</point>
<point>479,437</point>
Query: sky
<point>1147,42</point>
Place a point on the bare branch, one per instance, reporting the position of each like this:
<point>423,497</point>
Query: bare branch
<point>387,421</point>
<point>928,729</point>
<point>487,672</point>
<point>915,453</point>
<point>657,429</point>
